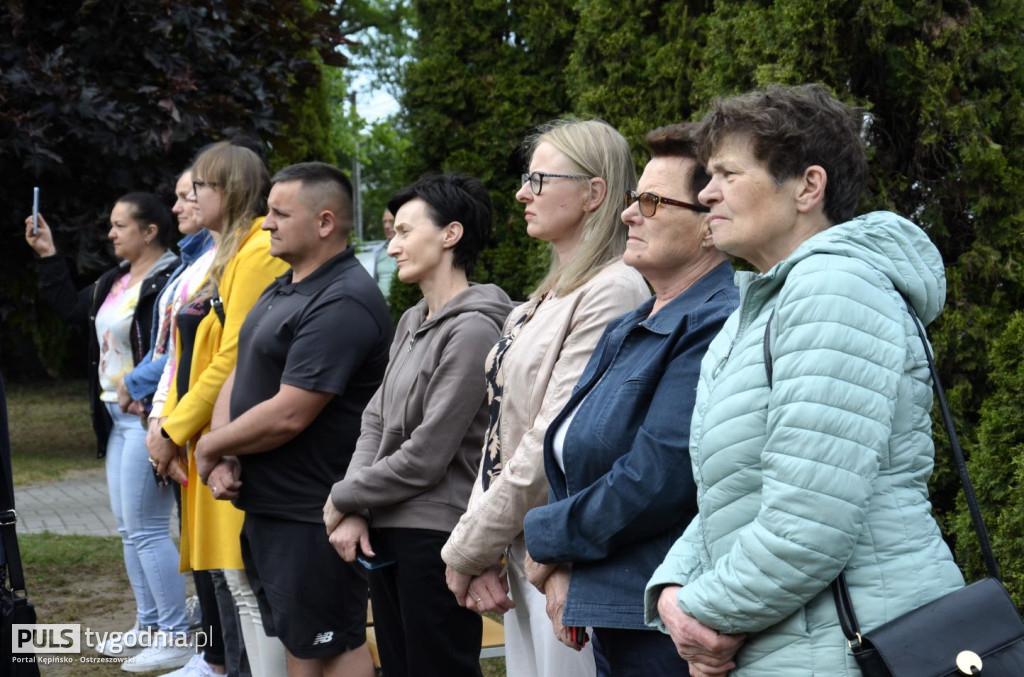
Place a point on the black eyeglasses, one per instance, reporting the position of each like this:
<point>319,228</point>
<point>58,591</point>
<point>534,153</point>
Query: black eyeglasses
<point>536,179</point>
<point>196,185</point>
<point>649,203</point>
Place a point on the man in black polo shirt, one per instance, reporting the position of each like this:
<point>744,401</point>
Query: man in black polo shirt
<point>311,353</point>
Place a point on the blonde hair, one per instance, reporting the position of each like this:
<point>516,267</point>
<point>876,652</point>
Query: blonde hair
<point>595,148</point>
<point>241,178</point>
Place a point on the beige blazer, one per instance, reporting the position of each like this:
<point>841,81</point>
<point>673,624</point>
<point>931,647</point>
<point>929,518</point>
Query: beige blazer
<point>540,369</point>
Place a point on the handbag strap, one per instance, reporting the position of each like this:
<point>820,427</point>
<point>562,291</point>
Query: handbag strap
<point>8,518</point>
<point>840,591</point>
<point>958,455</point>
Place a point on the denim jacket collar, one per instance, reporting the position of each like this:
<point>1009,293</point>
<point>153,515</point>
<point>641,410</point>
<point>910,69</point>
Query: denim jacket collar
<point>669,317</point>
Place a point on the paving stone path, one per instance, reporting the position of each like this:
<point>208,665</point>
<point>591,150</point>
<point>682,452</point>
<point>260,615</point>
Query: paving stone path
<point>74,506</point>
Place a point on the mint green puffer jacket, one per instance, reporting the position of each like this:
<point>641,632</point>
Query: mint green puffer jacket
<point>827,470</point>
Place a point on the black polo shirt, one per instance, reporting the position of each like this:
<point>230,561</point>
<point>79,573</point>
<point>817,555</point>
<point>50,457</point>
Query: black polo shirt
<point>328,333</point>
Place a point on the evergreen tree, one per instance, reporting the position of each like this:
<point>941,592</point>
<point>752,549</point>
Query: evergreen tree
<point>633,63</point>
<point>943,83</point>
<point>484,74</point>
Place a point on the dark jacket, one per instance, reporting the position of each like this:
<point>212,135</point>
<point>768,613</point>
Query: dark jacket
<point>627,492</point>
<point>80,307</point>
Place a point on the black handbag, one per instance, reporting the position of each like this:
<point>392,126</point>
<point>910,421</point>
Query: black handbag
<point>973,631</point>
<point>14,604</point>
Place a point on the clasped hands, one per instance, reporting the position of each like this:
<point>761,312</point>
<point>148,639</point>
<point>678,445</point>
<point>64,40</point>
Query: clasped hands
<point>552,580</point>
<point>166,457</point>
<point>708,652</point>
<point>127,404</point>
<point>349,534</point>
<point>484,593</point>
<point>221,473</point>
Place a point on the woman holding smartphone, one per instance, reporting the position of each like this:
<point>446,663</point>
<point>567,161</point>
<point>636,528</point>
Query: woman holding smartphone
<point>118,308</point>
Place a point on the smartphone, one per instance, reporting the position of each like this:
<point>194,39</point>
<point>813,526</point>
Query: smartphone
<point>35,210</point>
<point>578,634</point>
<point>372,563</point>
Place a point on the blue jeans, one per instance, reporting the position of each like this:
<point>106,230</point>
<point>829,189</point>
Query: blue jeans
<point>143,513</point>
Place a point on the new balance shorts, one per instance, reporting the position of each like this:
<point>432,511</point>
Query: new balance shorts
<point>309,597</point>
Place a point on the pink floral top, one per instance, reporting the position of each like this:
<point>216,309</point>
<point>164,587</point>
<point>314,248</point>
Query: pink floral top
<point>113,329</point>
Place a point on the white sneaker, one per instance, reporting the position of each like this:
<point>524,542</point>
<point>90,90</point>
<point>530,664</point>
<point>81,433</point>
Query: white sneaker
<point>197,667</point>
<point>164,653</point>
<point>130,643</point>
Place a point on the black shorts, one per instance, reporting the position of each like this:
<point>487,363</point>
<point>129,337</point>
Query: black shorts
<point>309,597</point>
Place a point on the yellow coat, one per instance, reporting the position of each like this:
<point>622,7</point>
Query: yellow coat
<point>210,528</point>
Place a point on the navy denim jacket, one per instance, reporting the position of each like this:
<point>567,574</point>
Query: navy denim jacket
<point>628,490</point>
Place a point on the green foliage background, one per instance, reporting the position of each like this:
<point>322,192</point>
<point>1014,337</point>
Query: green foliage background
<point>942,79</point>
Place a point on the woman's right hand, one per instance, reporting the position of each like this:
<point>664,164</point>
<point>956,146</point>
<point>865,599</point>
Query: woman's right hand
<point>556,592</point>
<point>42,240</point>
<point>488,592</point>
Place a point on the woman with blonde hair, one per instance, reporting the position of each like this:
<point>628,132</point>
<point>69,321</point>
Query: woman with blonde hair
<point>230,184</point>
<point>578,173</point>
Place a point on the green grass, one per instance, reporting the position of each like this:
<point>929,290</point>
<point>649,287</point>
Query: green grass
<point>78,579</point>
<point>51,433</point>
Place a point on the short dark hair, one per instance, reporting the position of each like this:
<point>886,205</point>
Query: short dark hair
<point>792,128</point>
<point>150,208</point>
<point>680,140</point>
<point>332,183</point>
<point>453,197</point>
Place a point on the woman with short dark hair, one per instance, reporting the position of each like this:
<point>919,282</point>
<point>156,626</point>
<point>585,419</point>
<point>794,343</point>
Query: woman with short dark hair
<point>422,433</point>
<point>811,436</point>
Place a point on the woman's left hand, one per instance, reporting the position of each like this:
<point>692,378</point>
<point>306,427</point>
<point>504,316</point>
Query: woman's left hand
<point>332,516</point>
<point>351,536</point>
<point>537,573</point>
<point>709,653</point>
<point>458,584</point>
<point>488,592</point>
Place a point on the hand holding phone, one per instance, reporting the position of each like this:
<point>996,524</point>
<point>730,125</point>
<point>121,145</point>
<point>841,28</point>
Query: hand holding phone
<point>372,563</point>
<point>35,210</point>
<point>579,635</point>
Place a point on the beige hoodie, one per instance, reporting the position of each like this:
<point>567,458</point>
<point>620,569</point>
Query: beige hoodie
<point>422,433</point>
